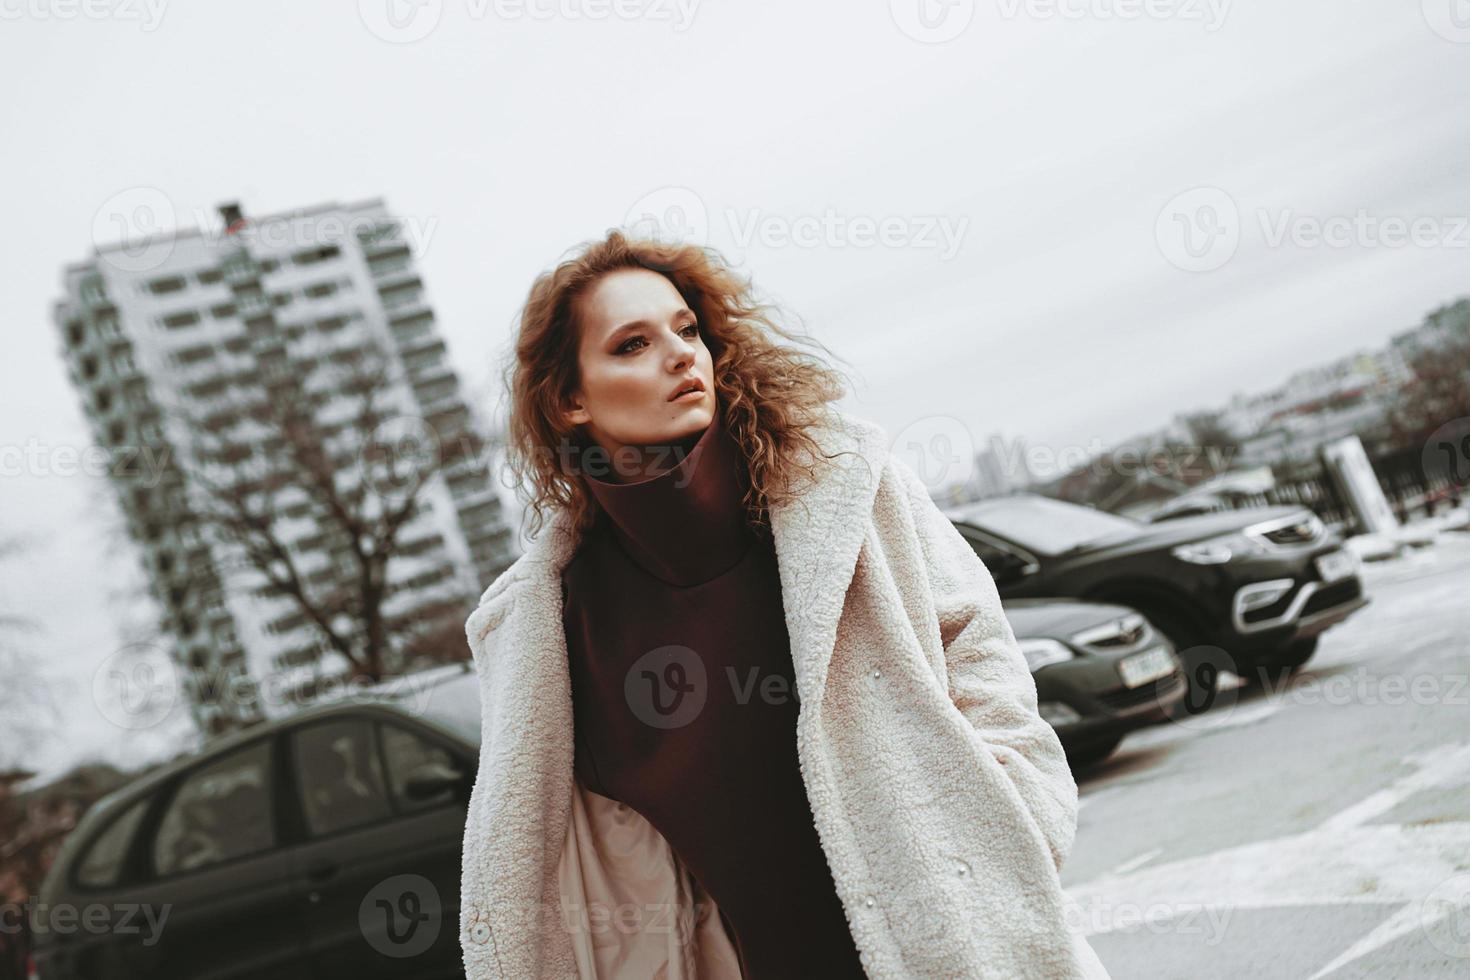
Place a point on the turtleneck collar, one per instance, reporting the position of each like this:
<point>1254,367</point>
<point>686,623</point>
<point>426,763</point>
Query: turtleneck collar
<point>687,524</point>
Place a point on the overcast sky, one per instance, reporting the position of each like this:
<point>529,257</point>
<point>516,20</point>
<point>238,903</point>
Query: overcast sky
<point>1035,167</point>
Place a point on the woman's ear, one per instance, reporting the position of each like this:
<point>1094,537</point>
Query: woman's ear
<point>574,411</point>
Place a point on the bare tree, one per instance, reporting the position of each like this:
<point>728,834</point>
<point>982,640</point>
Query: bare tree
<point>28,711</point>
<point>315,443</point>
<point>1439,392</point>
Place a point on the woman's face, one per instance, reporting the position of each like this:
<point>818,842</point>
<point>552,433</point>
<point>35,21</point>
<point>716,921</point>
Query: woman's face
<point>640,346</point>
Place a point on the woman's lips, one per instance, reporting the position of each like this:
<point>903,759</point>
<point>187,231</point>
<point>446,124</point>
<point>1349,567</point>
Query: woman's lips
<point>690,396</point>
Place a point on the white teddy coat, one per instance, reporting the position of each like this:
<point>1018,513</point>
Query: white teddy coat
<point>943,802</point>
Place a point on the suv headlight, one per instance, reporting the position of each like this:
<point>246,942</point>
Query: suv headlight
<point>1043,653</point>
<point>1215,551</point>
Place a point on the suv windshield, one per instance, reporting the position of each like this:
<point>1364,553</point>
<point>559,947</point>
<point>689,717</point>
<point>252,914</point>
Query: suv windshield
<point>1048,526</point>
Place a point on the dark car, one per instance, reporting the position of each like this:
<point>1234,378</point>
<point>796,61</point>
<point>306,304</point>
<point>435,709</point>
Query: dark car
<point>326,844</point>
<point>1248,591</point>
<point>1101,671</point>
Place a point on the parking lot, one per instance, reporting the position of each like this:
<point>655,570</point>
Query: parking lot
<point>1320,828</point>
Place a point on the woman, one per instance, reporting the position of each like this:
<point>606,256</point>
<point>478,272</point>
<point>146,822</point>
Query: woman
<point>750,704</point>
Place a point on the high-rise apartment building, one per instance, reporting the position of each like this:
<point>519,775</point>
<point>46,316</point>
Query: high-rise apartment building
<point>161,335</point>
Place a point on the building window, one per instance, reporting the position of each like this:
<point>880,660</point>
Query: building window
<point>177,321</point>
<point>208,277</point>
<point>312,256</point>
<point>193,355</point>
<point>222,311</point>
<point>167,284</point>
<point>317,290</point>
<point>75,332</point>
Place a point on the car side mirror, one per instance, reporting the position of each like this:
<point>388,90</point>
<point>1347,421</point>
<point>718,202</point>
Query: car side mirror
<point>1010,566</point>
<point>428,781</point>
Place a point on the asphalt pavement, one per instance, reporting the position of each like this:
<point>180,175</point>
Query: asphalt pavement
<point>1316,829</point>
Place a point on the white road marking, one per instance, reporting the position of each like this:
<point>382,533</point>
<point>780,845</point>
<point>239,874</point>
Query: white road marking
<point>1343,861</point>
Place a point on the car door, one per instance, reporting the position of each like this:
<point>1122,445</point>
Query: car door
<point>379,871</point>
<point>215,871</point>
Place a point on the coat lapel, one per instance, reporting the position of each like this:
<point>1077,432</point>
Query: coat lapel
<point>818,536</point>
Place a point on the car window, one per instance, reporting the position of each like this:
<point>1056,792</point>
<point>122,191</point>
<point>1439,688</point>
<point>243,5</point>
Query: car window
<point>221,811</point>
<point>406,752</point>
<point>1049,526</point>
<point>338,776</point>
<point>102,863</point>
<point>992,557</point>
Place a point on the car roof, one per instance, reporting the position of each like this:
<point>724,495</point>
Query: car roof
<point>379,696</point>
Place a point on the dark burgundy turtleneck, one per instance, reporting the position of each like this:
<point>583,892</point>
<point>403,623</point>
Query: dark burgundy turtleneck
<point>685,703</point>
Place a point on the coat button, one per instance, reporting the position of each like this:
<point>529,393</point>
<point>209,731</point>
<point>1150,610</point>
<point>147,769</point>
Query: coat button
<point>869,901</point>
<point>875,673</point>
<point>480,933</point>
<point>962,868</point>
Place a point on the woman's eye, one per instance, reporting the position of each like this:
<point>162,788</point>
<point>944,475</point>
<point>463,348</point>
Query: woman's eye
<point>691,326</point>
<point>626,346</point>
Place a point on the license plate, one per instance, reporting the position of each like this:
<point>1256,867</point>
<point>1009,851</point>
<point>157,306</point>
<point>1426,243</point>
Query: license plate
<point>1147,666</point>
<point>1335,565</point>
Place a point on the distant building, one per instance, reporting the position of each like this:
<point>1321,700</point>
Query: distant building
<point>209,315</point>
